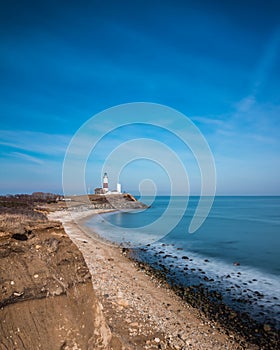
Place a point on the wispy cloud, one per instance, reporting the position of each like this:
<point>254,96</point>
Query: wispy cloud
<point>209,120</point>
<point>36,142</point>
<point>246,104</point>
<point>267,60</point>
<point>27,157</point>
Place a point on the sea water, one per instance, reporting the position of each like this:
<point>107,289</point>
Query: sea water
<point>237,247</point>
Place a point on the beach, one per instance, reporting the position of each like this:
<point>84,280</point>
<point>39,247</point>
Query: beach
<point>140,308</point>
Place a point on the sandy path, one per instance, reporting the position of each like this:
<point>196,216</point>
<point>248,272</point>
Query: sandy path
<point>142,310</point>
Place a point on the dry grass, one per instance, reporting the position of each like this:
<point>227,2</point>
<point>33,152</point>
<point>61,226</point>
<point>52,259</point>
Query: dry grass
<point>17,212</point>
<point>16,222</point>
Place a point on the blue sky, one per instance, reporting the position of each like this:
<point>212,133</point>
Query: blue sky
<point>216,62</point>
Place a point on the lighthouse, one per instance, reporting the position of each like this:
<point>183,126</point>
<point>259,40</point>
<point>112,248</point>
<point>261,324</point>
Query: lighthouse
<point>105,183</point>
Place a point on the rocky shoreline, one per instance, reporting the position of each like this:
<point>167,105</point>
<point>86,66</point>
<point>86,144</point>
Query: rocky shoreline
<point>133,305</point>
<point>142,309</point>
<point>210,303</point>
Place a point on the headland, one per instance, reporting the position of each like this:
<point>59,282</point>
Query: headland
<point>48,273</point>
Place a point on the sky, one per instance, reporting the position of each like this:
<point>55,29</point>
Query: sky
<point>215,62</point>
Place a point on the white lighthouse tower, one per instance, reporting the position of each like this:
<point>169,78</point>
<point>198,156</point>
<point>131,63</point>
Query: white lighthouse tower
<point>105,183</point>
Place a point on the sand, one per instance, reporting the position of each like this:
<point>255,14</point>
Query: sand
<point>141,309</point>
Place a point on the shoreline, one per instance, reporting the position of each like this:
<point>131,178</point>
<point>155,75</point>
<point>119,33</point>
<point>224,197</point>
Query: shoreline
<point>129,294</point>
<point>211,303</point>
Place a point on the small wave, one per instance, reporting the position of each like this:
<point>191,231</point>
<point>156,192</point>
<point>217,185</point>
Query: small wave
<point>244,288</point>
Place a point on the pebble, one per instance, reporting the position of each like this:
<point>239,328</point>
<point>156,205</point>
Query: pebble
<point>134,324</point>
<point>123,303</point>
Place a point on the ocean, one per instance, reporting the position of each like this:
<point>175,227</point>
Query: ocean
<point>235,251</point>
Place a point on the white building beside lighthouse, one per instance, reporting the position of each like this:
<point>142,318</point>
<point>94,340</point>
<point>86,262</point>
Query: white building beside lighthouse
<point>119,188</point>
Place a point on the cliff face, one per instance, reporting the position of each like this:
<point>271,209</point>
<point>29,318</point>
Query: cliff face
<point>46,295</point>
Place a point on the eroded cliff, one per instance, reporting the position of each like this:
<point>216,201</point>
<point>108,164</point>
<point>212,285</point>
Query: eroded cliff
<point>46,295</point>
